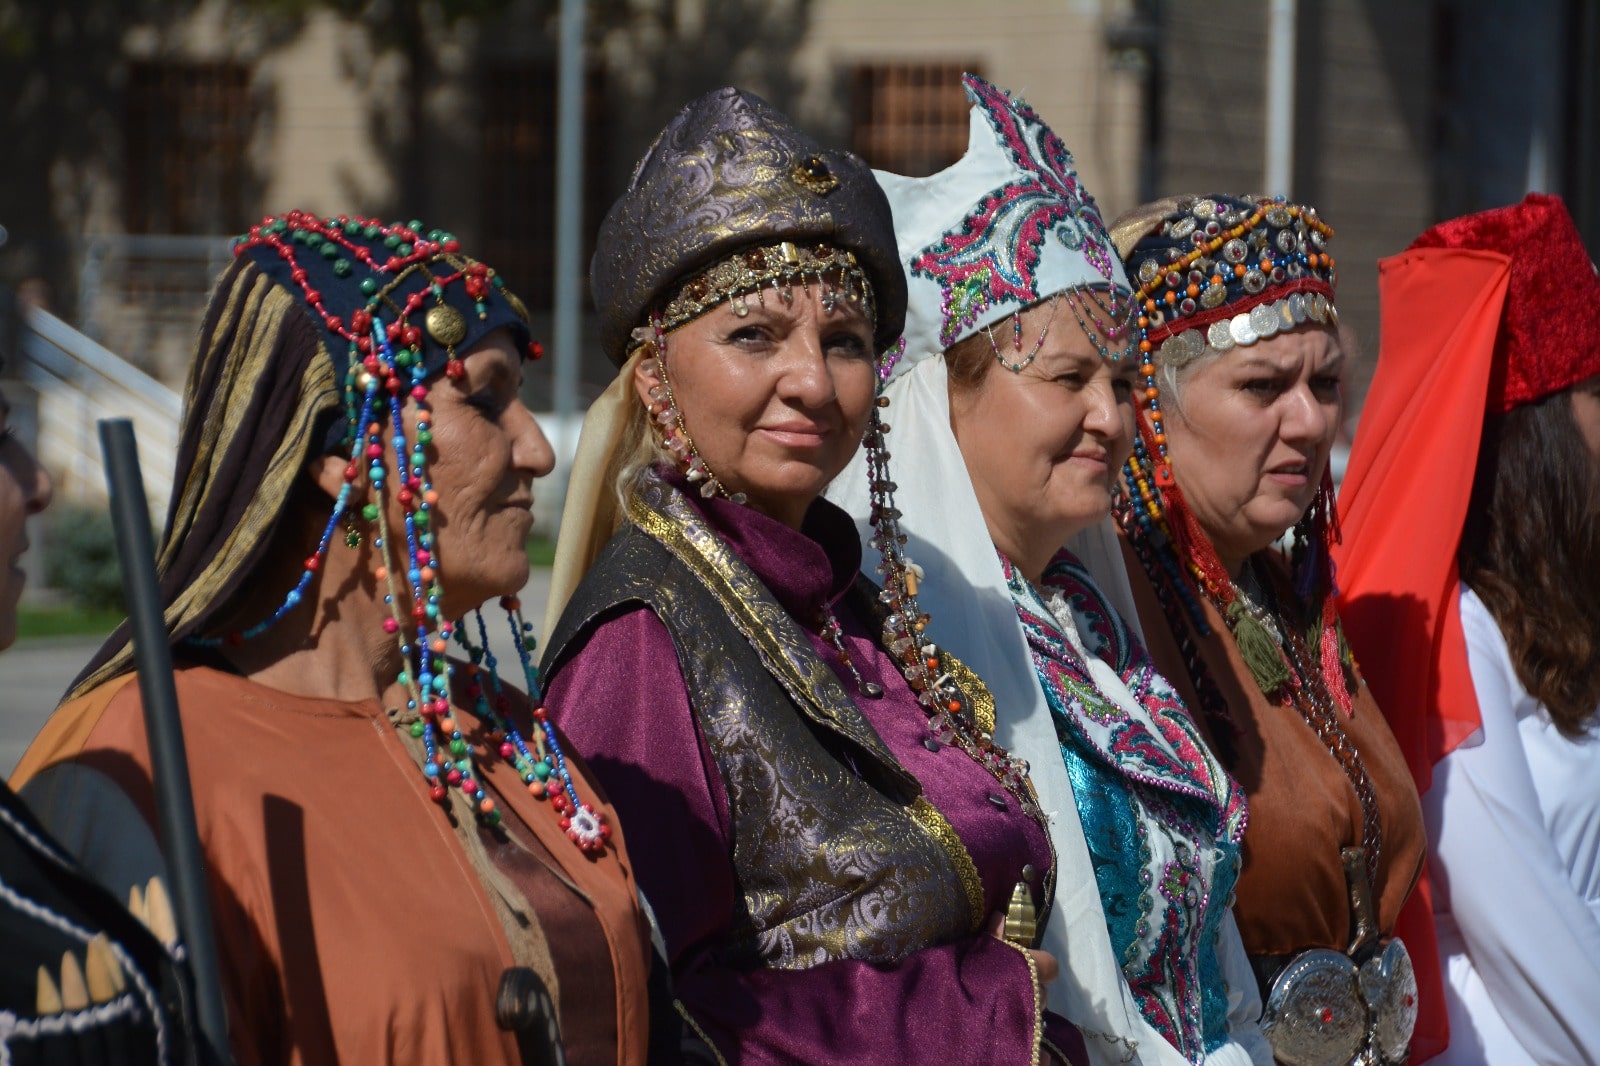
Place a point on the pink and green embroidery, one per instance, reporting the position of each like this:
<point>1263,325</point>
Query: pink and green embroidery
<point>994,255</point>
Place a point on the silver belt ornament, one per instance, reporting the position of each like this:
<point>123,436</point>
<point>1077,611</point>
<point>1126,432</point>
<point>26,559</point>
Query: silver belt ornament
<point>1326,1009</point>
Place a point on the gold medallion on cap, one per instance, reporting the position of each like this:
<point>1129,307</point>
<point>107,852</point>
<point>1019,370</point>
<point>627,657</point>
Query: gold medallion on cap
<point>446,325</point>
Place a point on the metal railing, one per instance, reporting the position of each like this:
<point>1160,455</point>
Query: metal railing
<point>79,381</point>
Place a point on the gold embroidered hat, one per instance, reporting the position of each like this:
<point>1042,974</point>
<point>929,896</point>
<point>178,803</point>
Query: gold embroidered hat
<point>732,185</point>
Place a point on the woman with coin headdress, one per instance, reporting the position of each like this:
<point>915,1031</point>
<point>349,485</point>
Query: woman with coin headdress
<point>1012,413</point>
<point>407,862</point>
<point>1241,397</point>
<point>844,866</point>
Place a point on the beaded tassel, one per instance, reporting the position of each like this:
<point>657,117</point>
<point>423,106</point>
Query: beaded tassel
<point>542,768</point>
<point>668,420</point>
<point>905,621</point>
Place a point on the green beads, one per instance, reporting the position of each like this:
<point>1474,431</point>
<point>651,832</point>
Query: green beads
<point>341,268</point>
<point>369,287</point>
<point>370,512</point>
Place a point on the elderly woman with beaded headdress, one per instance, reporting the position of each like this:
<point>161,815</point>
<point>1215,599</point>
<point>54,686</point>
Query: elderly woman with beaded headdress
<point>1241,398</point>
<point>407,862</point>
<point>843,865</point>
<point>1011,413</point>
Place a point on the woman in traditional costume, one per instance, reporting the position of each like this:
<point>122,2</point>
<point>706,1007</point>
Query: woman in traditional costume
<point>407,862</point>
<point>845,868</point>
<point>1470,576</point>
<point>1012,413</point>
<point>1241,390</point>
<point>79,975</point>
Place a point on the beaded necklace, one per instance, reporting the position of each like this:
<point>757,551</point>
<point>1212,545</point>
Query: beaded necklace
<point>1308,690</point>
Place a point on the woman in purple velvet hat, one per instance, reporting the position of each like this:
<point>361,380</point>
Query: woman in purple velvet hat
<point>844,865</point>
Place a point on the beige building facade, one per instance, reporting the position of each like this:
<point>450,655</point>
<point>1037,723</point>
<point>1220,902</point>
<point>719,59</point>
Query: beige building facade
<point>182,123</point>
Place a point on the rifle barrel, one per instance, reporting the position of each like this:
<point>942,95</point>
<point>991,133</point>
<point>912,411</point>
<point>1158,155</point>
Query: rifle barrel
<point>169,762</point>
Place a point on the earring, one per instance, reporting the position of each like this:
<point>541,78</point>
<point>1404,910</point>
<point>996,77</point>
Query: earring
<point>668,420</point>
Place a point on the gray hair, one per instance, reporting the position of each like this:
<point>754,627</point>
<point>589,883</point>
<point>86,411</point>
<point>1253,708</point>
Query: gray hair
<point>1176,362</point>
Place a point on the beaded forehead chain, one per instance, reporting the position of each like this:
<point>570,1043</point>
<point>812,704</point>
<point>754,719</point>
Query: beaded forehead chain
<point>389,368</point>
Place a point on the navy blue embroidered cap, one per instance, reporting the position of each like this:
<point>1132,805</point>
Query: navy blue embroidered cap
<point>350,273</point>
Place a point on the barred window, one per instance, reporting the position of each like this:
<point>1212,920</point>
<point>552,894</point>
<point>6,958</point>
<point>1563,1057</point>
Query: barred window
<point>188,128</point>
<point>910,118</point>
<point>518,199</point>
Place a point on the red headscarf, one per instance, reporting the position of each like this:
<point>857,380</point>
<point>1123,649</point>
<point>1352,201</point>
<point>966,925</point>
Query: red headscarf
<point>1481,314</point>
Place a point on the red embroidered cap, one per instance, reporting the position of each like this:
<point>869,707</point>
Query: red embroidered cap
<point>1549,336</point>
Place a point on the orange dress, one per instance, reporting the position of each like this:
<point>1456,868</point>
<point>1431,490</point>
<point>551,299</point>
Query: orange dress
<point>350,923</point>
<point>1292,892</point>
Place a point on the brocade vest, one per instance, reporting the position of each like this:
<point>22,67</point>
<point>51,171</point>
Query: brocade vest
<point>836,852</point>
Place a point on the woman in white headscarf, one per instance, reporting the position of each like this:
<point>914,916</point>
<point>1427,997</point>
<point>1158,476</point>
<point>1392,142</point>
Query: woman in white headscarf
<point>996,468</point>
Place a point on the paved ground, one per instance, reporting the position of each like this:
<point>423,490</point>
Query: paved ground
<point>34,673</point>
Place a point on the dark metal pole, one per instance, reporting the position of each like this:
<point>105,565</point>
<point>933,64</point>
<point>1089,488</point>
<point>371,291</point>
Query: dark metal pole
<point>569,271</point>
<point>169,764</point>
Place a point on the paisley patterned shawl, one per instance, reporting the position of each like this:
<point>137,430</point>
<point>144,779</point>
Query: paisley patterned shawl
<point>1162,817</point>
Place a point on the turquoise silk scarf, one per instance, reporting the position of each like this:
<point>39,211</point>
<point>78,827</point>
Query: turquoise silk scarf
<point>1162,818</point>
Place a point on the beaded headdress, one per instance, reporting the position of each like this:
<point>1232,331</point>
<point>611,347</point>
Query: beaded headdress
<point>433,301</point>
<point>1215,273</point>
<point>396,305</point>
<point>1004,228</point>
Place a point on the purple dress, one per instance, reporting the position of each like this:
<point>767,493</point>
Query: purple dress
<point>961,995</point>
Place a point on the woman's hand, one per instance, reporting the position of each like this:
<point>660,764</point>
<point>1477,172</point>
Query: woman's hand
<point>1044,962</point>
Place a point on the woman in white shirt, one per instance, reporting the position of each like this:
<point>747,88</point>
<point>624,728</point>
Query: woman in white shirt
<point>1482,435</point>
